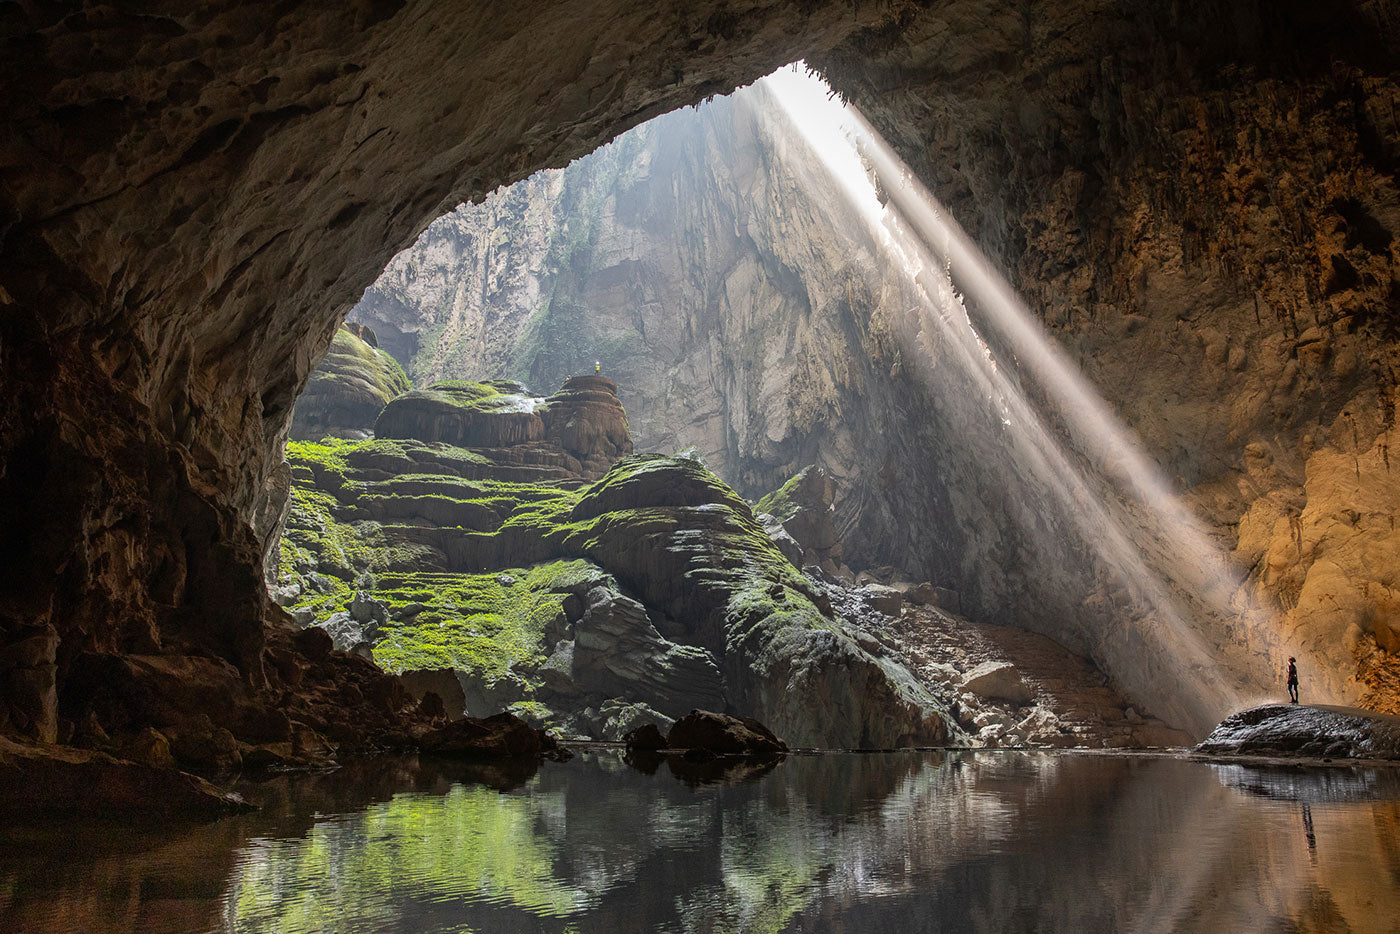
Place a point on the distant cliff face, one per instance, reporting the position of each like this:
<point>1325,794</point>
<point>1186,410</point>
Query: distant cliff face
<point>702,261</point>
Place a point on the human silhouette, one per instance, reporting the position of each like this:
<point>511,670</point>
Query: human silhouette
<point>1292,680</point>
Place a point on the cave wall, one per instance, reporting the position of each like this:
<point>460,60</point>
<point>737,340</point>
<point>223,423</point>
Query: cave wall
<point>1200,200</point>
<point>192,197</point>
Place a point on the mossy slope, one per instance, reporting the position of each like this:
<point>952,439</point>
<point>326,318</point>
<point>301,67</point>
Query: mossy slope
<point>476,571</point>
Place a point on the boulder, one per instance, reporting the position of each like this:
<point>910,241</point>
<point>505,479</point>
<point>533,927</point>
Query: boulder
<point>883,599</point>
<point>503,736</point>
<point>926,594</point>
<point>618,652</point>
<point>804,507</point>
<point>47,781</point>
<point>1301,730</point>
<point>646,737</point>
<point>348,389</point>
<point>998,681</point>
<point>788,545</point>
<point>719,734</point>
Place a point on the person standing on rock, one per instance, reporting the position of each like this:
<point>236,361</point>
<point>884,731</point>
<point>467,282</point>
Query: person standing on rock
<point>1292,680</point>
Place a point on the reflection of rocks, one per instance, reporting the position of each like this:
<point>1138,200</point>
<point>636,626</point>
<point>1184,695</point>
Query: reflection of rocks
<point>1312,785</point>
<point>1301,730</point>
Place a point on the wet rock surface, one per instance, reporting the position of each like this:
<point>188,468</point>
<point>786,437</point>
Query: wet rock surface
<point>706,733</point>
<point>1305,731</point>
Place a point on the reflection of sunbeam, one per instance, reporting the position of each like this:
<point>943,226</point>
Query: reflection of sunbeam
<point>1182,642</point>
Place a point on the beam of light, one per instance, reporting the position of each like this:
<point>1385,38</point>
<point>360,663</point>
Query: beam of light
<point>1192,645</point>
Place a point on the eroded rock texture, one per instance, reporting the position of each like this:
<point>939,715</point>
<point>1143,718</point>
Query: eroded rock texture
<point>193,197</point>
<point>1199,196</point>
<point>1201,203</point>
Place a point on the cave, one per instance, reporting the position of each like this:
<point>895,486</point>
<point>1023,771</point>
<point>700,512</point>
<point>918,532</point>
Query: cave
<point>1196,201</point>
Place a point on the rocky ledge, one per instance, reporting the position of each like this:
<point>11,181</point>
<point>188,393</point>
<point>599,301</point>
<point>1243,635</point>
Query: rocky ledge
<point>1306,732</point>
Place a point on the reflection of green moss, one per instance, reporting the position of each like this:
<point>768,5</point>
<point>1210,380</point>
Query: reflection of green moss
<point>472,842</point>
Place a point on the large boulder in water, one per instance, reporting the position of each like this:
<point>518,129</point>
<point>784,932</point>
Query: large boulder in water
<point>1306,731</point>
<point>504,736</point>
<point>723,735</point>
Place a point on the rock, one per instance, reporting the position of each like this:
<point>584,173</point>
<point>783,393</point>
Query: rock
<point>926,594</point>
<point>1000,681</point>
<point>780,536</point>
<point>29,682</point>
<point>646,737</point>
<point>442,682</point>
<point>503,736</point>
<point>348,389</point>
<point>884,599</point>
<point>719,734</point>
<point>213,752</point>
<point>804,507</point>
<point>363,610</point>
<point>618,652</point>
<point>1305,731</point>
<point>345,633</point>
<point>149,748</point>
<point>57,781</point>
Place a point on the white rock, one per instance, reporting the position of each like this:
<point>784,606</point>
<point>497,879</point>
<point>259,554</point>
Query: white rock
<point>998,680</point>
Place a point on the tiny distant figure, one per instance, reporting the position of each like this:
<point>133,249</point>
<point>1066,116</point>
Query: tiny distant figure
<point>1292,680</point>
<point>597,366</point>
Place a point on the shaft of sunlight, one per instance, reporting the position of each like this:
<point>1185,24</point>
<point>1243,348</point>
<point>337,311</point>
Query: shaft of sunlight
<point>1192,600</point>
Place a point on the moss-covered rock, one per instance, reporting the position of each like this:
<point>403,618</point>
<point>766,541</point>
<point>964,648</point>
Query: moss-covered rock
<point>348,389</point>
<point>654,585</point>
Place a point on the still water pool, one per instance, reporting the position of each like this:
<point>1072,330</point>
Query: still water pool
<point>960,841</point>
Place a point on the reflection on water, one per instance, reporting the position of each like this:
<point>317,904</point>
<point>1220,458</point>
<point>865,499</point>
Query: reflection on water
<point>984,841</point>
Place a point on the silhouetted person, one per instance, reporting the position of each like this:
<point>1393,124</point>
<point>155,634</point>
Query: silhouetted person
<point>1292,680</point>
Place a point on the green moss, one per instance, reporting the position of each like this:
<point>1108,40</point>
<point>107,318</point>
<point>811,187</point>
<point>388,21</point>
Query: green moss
<point>479,623</point>
<point>350,360</point>
<point>781,504</point>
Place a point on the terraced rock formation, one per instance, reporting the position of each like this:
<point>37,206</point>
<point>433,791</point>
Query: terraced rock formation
<point>349,388</point>
<point>483,550</point>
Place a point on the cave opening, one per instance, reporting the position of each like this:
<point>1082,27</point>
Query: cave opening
<point>193,199</point>
<point>742,277</point>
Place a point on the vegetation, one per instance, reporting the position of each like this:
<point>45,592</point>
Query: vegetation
<point>782,504</point>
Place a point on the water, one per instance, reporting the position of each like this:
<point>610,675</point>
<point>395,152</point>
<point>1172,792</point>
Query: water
<point>963,841</point>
